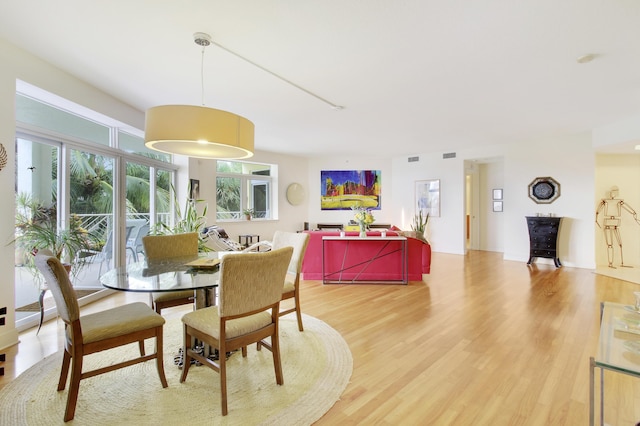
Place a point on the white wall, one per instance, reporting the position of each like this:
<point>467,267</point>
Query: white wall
<point>290,218</point>
<point>569,160</point>
<point>491,223</point>
<point>8,334</point>
<point>447,232</point>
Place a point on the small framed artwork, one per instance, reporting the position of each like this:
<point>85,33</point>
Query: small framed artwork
<point>428,197</point>
<point>497,206</point>
<point>497,194</point>
<point>194,184</point>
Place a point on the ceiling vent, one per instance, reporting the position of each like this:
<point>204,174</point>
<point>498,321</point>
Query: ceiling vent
<point>448,155</point>
<point>414,159</point>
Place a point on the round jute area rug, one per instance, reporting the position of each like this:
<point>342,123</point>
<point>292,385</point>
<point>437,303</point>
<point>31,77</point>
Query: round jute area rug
<point>316,363</point>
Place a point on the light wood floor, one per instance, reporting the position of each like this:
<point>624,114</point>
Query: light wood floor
<point>482,342</point>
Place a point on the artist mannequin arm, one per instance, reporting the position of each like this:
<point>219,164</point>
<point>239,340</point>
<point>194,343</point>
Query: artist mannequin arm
<point>630,210</point>
<point>598,210</point>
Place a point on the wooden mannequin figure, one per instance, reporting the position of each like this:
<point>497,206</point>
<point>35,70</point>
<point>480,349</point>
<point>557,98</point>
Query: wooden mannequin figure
<point>611,209</point>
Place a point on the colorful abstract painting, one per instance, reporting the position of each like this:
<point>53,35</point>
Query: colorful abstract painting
<point>343,189</point>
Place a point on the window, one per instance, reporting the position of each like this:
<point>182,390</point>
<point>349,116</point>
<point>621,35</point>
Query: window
<point>44,116</point>
<point>241,186</point>
<point>66,162</point>
<point>135,145</point>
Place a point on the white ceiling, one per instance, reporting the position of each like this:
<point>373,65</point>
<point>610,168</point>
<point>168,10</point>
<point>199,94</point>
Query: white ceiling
<point>413,76</point>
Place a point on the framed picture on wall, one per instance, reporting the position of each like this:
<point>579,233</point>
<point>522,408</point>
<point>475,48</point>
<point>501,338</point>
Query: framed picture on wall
<point>194,185</point>
<point>428,197</point>
<point>344,189</point>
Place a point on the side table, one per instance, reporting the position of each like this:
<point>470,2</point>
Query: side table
<point>248,239</point>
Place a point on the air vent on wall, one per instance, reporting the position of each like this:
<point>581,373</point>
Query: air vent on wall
<point>414,159</point>
<point>449,155</point>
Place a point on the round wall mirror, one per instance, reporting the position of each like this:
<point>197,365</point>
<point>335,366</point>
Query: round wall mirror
<point>295,194</point>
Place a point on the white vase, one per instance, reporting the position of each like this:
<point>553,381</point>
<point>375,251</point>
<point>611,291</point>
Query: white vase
<point>363,230</point>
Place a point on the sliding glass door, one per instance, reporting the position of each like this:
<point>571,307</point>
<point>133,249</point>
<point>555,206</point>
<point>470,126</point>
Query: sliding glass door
<point>36,200</point>
<point>86,177</point>
<point>91,209</point>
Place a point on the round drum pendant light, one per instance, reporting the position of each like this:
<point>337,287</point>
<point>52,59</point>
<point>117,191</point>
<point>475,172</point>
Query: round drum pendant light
<point>198,131</point>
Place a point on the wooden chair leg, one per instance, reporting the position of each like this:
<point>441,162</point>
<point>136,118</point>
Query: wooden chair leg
<point>298,313</point>
<point>74,387</point>
<point>222,363</point>
<point>160,357</point>
<point>141,346</point>
<point>275,350</point>
<point>64,371</point>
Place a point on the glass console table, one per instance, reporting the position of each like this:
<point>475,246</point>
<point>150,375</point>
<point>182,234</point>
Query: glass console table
<point>364,260</point>
<point>618,349</point>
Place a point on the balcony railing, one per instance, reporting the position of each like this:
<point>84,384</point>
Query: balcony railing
<point>101,224</point>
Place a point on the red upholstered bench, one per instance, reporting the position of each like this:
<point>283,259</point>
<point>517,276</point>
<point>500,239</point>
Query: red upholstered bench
<point>418,255</point>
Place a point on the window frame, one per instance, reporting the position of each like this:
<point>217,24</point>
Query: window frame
<point>248,183</point>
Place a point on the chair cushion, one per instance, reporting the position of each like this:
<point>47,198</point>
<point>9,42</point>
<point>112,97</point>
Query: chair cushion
<point>118,321</point>
<point>207,321</point>
<point>171,295</point>
<point>289,286</point>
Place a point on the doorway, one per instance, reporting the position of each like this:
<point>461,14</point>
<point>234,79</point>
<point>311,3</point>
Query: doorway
<point>483,225</point>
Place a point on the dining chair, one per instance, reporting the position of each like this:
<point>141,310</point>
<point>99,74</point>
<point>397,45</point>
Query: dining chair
<point>291,290</point>
<point>247,312</point>
<point>87,334</point>
<point>162,247</point>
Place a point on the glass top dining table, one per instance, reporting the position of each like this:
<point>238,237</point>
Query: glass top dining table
<point>163,276</point>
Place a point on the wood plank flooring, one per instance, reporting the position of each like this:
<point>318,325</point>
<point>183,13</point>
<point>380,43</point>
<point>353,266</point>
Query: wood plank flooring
<point>482,342</point>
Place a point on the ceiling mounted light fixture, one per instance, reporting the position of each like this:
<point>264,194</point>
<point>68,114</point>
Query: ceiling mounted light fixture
<point>198,131</point>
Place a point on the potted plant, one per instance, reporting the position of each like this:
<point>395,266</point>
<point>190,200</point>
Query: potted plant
<point>191,221</point>
<point>419,225</point>
<point>37,229</point>
<point>248,213</point>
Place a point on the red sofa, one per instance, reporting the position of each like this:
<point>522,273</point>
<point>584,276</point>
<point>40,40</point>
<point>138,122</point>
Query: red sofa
<point>418,257</point>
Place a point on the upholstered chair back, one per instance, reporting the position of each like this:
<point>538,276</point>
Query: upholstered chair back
<point>251,281</point>
<point>297,240</point>
<point>57,279</point>
<point>158,247</point>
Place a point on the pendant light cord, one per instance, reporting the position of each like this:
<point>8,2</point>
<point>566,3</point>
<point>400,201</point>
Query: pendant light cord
<point>202,75</point>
